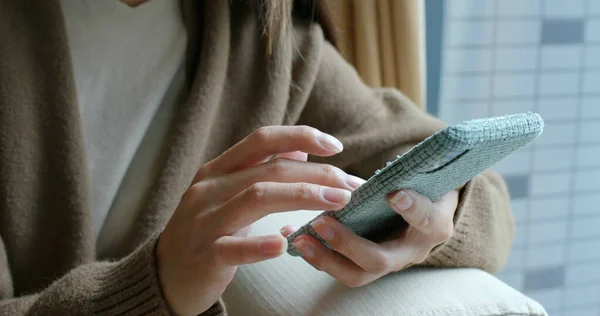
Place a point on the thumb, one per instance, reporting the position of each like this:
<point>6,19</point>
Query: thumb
<point>233,251</point>
<point>288,230</point>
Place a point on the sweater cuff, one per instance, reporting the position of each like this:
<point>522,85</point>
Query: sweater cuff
<point>218,309</point>
<point>483,227</point>
<point>131,286</point>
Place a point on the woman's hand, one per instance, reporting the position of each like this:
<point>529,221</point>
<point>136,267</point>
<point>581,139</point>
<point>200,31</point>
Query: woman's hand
<point>357,261</point>
<point>206,238</point>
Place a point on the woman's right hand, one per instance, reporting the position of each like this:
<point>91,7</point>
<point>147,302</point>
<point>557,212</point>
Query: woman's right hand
<point>206,238</point>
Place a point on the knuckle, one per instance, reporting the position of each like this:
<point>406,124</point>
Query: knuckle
<point>197,190</point>
<point>304,191</point>
<point>203,172</point>
<point>330,172</point>
<point>277,167</point>
<point>381,263</point>
<point>256,193</point>
<point>261,134</point>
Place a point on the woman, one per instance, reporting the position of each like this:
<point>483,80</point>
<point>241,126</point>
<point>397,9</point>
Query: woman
<point>134,156</point>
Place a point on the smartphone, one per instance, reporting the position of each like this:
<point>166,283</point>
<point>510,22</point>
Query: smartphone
<point>439,164</point>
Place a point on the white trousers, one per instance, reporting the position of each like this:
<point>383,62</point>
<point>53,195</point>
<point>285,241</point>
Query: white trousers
<point>289,286</point>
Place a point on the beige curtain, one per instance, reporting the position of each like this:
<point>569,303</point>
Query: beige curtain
<point>383,39</point>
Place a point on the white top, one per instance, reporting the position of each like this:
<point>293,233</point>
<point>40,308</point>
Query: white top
<point>128,74</point>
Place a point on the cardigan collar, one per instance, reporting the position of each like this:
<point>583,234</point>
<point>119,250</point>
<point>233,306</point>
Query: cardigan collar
<point>42,155</point>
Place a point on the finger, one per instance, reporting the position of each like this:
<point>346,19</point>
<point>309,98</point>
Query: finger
<point>417,210</point>
<point>234,251</point>
<point>265,198</point>
<point>296,155</point>
<point>283,171</point>
<point>413,247</point>
<point>368,255</point>
<point>288,230</point>
<point>268,141</point>
<point>336,265</point>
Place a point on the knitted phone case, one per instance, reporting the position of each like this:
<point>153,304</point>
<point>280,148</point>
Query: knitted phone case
<point>434,167</point>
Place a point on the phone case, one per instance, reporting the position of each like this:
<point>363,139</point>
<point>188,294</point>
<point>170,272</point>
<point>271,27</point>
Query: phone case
<point>436,166</point>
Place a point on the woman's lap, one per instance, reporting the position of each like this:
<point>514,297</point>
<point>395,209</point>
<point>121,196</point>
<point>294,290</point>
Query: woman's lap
<point>289,286</point>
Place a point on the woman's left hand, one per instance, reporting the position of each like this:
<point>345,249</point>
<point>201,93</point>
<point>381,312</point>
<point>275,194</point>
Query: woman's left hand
<point>357,261</point>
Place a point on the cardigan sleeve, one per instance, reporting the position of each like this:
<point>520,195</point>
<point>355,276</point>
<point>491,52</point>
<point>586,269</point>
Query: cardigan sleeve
<point>127,286</point>
<point>375,125</point>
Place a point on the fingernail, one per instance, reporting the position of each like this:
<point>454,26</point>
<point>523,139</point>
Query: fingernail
<point>354,182</point>
<point>401,201</point>
<point>331,142</point>
<point>288,230</point>
<point>334,195</point>
<point>305,248</point>
<point>272,245</point>
<point>323,228</point>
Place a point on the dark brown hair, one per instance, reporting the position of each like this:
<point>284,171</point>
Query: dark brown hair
<point>278,14</point>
